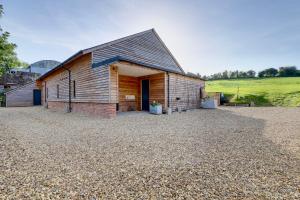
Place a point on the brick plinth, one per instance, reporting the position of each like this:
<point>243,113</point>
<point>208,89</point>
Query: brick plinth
<point>107,110</point>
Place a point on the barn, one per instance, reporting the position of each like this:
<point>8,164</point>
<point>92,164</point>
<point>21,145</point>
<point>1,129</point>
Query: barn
<point>126,74</point>
<point>25,91</point>
<point>25,95</point>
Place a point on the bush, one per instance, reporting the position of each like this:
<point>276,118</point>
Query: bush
<point>2,99</point>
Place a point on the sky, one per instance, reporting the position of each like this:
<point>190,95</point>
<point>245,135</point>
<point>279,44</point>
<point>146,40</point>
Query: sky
<point>206,36</point>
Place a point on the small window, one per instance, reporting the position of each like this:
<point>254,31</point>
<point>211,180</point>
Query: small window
<point>74,89</point>
<point>47,93</point>
<point>57,92</point>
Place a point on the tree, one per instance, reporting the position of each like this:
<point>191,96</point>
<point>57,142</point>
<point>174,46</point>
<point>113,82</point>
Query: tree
<point>234,74</point>
<point>251,74</point>
<point>271,72</point>
<point>225,75</point>
<point>261,74</point>
<point>205,77</point>
<point>8,56</point>
<point>288,71</point>
<point>242,74</point>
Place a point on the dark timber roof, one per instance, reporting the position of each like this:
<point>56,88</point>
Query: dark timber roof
<point>144,48</point>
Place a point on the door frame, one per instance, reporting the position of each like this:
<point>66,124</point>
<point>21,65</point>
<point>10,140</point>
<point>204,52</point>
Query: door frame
<point>141,84</point>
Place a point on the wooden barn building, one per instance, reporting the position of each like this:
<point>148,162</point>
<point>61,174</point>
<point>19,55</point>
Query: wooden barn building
<point>19,84</point>
<point>123,75</point>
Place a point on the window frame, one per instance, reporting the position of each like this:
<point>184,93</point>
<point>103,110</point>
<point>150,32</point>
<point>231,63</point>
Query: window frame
<point>74,89</point>
<point>57,91</point>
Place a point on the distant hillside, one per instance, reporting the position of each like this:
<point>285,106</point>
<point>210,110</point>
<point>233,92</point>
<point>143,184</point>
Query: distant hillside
<point>45,64</point>
<point>263,92</point>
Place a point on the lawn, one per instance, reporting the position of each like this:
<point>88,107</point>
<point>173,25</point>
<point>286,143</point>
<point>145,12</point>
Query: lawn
<point>263,92</point>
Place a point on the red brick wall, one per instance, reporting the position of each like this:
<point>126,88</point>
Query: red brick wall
<point>107,110</point>
<point>57,106</point>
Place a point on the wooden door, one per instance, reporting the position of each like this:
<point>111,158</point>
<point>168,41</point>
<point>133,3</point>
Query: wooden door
<point>37,97</point>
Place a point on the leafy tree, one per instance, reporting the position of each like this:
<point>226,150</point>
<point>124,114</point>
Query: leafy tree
<point>205,77</point>
<point>271,72</point>
<point>261,74</point>
<point>234,74</point>
<point>242,74</point>
<point>251,74</point>
<point>288,71</point>
<point>8,56</point>
<point>225,74</point>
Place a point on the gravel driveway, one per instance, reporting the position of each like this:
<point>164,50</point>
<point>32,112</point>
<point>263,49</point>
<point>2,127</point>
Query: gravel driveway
<point>228,153</point>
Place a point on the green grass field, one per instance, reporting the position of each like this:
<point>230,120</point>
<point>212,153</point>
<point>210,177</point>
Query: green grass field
<point>263,92</point>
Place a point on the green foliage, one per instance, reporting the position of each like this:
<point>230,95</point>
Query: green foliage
<point>8,56</point>
<point>2,99</point>
<point>155,103</point>
<point>288,71</point>
<point>270,72</point>
<point>231,75</point>
<point>262,91</point>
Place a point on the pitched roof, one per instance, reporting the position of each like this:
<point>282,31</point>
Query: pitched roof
<point>145,47</point>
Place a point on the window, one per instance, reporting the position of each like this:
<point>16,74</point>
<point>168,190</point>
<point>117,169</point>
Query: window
<point>45,92</point>
<point>74,89</point>
<point>47,95</point>
<point>57,91</point>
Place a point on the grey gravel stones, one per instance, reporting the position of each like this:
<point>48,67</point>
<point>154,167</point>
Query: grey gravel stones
<point>228,153</point>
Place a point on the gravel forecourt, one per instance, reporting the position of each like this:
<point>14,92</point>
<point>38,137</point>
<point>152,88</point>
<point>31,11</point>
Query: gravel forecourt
<point>227,153</point>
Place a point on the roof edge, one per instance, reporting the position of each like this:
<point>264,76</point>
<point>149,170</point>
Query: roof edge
<point>120,58</point>
<point>74,56</point>
<point>168,50</point>
<point>21,86</point>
